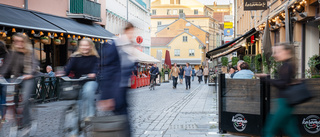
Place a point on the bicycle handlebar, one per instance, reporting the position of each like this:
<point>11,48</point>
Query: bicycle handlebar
<point>17,81</point>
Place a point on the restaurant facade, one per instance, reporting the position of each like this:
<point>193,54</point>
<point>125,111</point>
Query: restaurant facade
<point>54,36</point>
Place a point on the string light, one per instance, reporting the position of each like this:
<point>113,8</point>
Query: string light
<point>294,10</point>
<point>73,36</point>
<point>13,30</point>
<point>95,40</point>
<point>92,39</point>
<point>98,39</point>
<point>55,35</point>
<point>32,31</point>
<point>49,34</point>
<point>61,34</point>
<point>79,37</point>
<point>83,37</point>
<point>41,33</point>
<point>69,36</point>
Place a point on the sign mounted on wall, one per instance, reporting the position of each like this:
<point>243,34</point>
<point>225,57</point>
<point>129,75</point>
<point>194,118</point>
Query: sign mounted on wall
<point>228,25</point>
<point>228,18</point>
<point>139,39</point>
<point>255,4</point>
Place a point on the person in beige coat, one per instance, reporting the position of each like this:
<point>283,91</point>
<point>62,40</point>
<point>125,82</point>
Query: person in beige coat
<point>175,73</point>
<point>205,74</point>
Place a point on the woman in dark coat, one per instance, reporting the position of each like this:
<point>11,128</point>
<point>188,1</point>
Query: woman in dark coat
<point>3,53</point>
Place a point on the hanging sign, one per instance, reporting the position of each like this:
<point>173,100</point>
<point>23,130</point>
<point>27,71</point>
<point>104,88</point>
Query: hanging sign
<point>139,39</point>
<point>255,4</point>
<point>228,25</point>
<point>228,32</point>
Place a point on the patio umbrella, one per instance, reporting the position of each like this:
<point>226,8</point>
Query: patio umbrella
<point>167,59</point>
<point>266,43</point>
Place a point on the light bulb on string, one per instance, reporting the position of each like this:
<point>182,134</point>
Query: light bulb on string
<point>74,36</point>
<point>41,33</point>
<point>55,35</point>
<point>95,40</point>
<point>79,37</point>
<point>69,36</point>
<point>13,30</point>
<point>32,32</point>
<point>61,34</point>
<point>83,37</point>
<point>49,34</point>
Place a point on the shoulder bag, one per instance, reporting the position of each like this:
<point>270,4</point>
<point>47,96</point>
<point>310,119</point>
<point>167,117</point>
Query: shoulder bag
<point>297,94</point>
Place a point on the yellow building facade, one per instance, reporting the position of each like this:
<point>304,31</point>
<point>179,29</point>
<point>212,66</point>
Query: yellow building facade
<point>164,12</point>
<point>183,48</point>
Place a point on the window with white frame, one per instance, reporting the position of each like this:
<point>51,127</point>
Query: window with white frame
<point>196,12</point>
<point>154,12</point>
<point>169,11</point>
<point>180,11</point>
<point>159,23</point>
<point>174,12</point>
<point>177,52</point>
<point>185,38</point>
<point>191,52</point>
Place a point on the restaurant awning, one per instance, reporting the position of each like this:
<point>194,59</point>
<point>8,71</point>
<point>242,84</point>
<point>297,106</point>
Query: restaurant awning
<point>25,19</point>
<point>74,27</point>
<point>230,45</point>
<point>144,58</point>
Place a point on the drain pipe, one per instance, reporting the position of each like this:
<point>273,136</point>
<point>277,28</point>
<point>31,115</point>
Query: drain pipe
<point>26,4</point>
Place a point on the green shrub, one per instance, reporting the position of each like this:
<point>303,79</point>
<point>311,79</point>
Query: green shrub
<point>234,61</point>
<point>224,61</point>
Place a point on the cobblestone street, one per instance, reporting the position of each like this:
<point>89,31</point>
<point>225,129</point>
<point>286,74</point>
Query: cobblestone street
<point>163,112</point>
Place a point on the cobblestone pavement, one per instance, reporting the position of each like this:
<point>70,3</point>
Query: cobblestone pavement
<point>163,112</point>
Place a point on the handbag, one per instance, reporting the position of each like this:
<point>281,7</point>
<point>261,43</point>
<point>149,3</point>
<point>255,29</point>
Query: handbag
<point>69,91</point>
<point>107,126</point>
<point>297,94</point>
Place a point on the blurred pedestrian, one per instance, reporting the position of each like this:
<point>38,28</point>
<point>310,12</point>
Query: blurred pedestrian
<point>22,62</point>
<point>283,119</point>
<point>205,74</point>
<point>3,53</point>
<point>124,57</point>
<point>181,74</point>
<point>187,74</point>
<point>244,73</point>
<point>193,74</point>
<point>174,74</point>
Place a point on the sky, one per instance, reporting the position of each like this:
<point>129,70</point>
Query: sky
<point>210,2</point>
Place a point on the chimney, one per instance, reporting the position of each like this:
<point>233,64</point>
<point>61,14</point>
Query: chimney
<point>182,15</point>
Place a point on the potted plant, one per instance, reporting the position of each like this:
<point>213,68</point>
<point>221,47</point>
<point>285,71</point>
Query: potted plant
<point>57,41</point>
<point>247,59</point>
<point>234,61</point>
<point>224,61</point>
<point>257,63</point>
<point>73,42</point>
<point>314,65</point>
<point>45,40</point>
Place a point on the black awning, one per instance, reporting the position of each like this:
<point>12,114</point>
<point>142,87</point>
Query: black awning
<point>230,44</point>
<point>25,19</point>
<point>77,28</point>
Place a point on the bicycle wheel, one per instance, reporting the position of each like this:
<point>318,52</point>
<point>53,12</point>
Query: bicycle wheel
<point>70,121</point>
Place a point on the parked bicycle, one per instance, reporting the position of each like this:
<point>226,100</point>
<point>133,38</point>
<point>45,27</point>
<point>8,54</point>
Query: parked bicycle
<point>13,125</point>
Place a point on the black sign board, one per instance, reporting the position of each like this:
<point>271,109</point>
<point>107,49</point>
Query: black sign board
<point>255,5</point>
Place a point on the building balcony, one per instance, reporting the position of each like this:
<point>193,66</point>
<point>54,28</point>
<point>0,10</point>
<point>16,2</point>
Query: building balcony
<point>85,9</point>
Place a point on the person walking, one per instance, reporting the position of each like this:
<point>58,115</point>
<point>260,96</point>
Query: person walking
<point>199,75</point>
<point>174,74</point>
<point>283,118</point>
<point>154,71</point>
<point>202,72</point>
<point>187,74</point>
<point>205,74</point>
<point>181,74</point>
<point>21,61</point>
<point>193,74</point>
